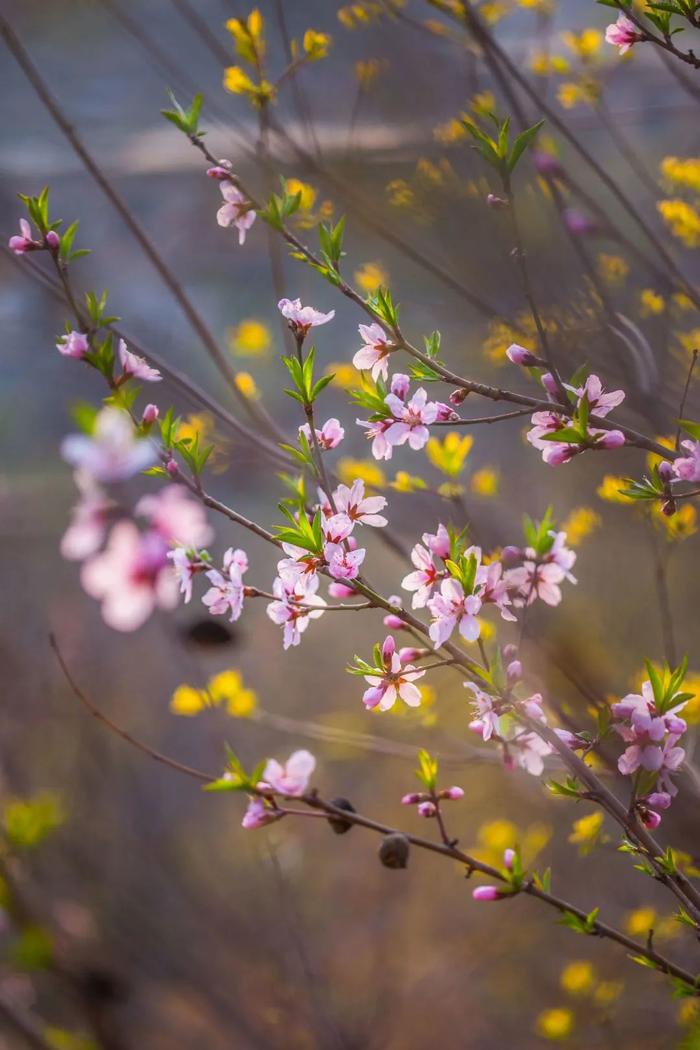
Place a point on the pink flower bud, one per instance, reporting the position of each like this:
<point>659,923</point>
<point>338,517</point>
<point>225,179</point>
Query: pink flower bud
<point>388,650</point>
<point>650,818</point>
<point>549,383</point>
<point>454,793</point>
<point>486,893</point>
<point>578,224</point>
<point>52,240</point>
<point>150,415</point>
<point>412,799</point>
<point>427,809</point>
<point>508,859</point>
<point>340,590</point>
<point>218,172</point>
<point>399,385</point>
<point>408,654</point>
<point>445,414</point>
<point>666,472</point>
<point>458,396</point>
<point>668,507</point>
<point>393,622</point>
<point>514,672</point>
<point>510,651</point>
<point>546,164</point>
<point>509,555</point>
<point>613,439</point>
<point>172,468</point>
<point>520,356</point>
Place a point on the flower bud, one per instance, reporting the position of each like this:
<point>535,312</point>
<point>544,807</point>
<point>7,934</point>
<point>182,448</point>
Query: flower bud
<point>445,414</point>
<point>650,819</point>
<point>578,224</point>
<point>520,356</point>
<point>494,201</point>
<point>338,824</point>
<point>666,472</point>
<point>546,164</point>
<point>340,590</point>
<point>393,850</point>
<point>510,554</point>
<point>394,622</point>
<point>510,651</point>
<point>52,240</point>
<point>427,809</point>
<point>508,859</point>
<point>669,508</point>
<point>388,650</point>
<point>613,439</point>
<point>413,798</point>
<point>514,672</point>
<point>400,384</point>
<point>219,172</point>
<point>458,396</point>
<point>454,793</point>
<point>172,468</point>
<point>550,384</point>
<point>150,415</point>
<point>486,893</point>
<point>408,654</point>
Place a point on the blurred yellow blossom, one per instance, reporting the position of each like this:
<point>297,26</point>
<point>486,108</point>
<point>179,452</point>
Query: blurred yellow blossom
<point>682,171</point>
<point>237,81</point>
<point>367,71</point>
<point>186,700</point>
<point>249,36</point>
<point>247,386</point>
<point>610,489</point>
<point>578,977</point>
<point>502,334</point>
<point>493,11</point>
<point>651,302</point>
<point>607,992</point>
<point>307,193</point>
<point>370,276</point>
<point>555,1024</point>
<point>581,522</point>
<point>450,132</point>
<point>316,45</point>
<point>400,193</point>
<point>543,65</point>
<point>689,340</point>
<point>495,836</point>
<point>640,921</point>
<point>586,832</point>
<point>344,374</point>
<point>612,268</point>
<point>227,687</point>
<point>662,439</point>
<point>485,482</point>
<point>683,301</point>
<point>450,489</point>
<point>584,45</point>
<point>448,455</point>
<point>680,526</point>
<point>682,219</point>
<point>250,338</point>
<point>365,469</point>
<point>404,482</point>
<point>483,103</point>
<point>200,425</point>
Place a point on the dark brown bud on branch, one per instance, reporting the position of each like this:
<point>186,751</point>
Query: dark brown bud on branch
<point>394,850</point>
<point>339,825</point>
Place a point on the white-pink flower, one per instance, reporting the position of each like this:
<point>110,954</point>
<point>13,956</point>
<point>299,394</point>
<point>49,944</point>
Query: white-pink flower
<point>451,608</point>
<point>257,815</point>
<point>438,542</point>
<point>343,564</point>
<point>688,467</point>
<point>131,577</point>
<point>487,719</point>
<point>237,211</point>
<point>374,354</point>
<point>227,589</point>
<point>24,242</point>
<point>396,681</point>
<point>358,507</point>
<point>292,778</point>
<point>88,527</point>
<point>302,318</point>
<point>622,34</point>
<point>423,579</point>
<point>113,452</point>
<point>186,564</point>
<point>411,419</point>
<point>600,402</point>
<point>178,518</point>
<point>376,433</point>
<point>135,367</point>
<point>329,436</point>
<point>296,603</point>
<point>73,344</point>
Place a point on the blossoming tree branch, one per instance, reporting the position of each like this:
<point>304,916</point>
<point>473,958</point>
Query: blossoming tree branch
<point>178,543</point>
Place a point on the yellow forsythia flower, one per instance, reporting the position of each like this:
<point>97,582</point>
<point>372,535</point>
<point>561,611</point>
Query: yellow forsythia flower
<point>682,219</point>
<point>639,922</point>
<point>448,455</point>
<point>366,470</point>
<point>248,36</point>
<point>404,482</point>
<point>316,45</point>
<point>485,482</point>
<point>483,103</point>
<point>609,489</point>
<point>570,94</point>
<point>246,385</point>
<point>555,1024</point>
<point>578,977</point>
<point>188,701</point>
<point>581,522</point>
<point>400,194</point>
<point>250,338</point>
<point>689,340</point>
<point>227,687</point>
<point>370,276</point>
<point>585,44</point>
<point>450,132</point>
<point>651,302</point>
<point>683,301</point>
<point>680,526</point>
<point>683,172</point>
<point>607,992</point>
<point>344,374</point>
<point>200,425</point>
<point>612,268</point>
<point>307,193</point>
<point>585,832</point>
<point>367,71</point>
<point>237,81</point>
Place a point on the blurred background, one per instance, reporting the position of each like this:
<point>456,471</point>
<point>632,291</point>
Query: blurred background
<point>148,917</point>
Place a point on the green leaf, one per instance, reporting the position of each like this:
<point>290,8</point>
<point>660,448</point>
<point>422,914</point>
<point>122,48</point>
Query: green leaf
<point>522,142</point>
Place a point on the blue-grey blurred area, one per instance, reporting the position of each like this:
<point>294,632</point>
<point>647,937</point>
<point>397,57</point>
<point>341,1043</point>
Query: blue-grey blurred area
<point>180,931</point>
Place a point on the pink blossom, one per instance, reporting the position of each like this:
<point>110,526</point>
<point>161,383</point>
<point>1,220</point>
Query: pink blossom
<point>622,34</point>
<point>508,859</point>
<point>358,507</point>
<point>376,433</point>
<point>600,402</point>
<point>452,608</point>
<point>485,708</point>
<point>89,518</point>
<point>291,779</point>
<point>237,211</point>
<point>528,750</point>
<point>411,419</point>
<point>329,436</point>
<point>438,542</point>
<point>257,815</point>
<point>396,681</point>
<point>375,353</point>
<point>176,516</point>
<point>343,564</point>
<point>302,318</point>
<point>486,893</point>
<point>291,611</point>
<point>399,385</point>
<point>651,737</point>
<point>393,620</point>
<point>24,242</point>
<point>454,793</point>
<point>135,367</point>
<point>688,467</point>
<point>73,344</point>
<point>299,565</point>
<point>535,580</point>
<point>423,579</point>
<point>340,590</point>
<point>131,577</point>
<point>227,591</point>
<point>608,438</point>
<point>186,564</point>
<point>520,356</point>
<point>113,452</point>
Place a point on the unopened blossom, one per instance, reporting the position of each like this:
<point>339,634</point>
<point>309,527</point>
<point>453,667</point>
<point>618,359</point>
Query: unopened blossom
<point>292,778</point>
<point>343,564</point>
<point>622,34</point>
<point>176,516</point>
<point>487,893</point>
<point>135,367</point>
<point>427,808</point>
<point>411,419</point>
<point>24,242</point>
<point>336,589</point>
<point>451,608</point>
<point>329,436</point>
<point>392,620</point>
<point>687,468</point>
<point>88,527</point>
<point>454,793</point>
<point>227,589</point>
<point>358,507</point>
<point>520,356</point>
<point>258,814</point>
<point>73,344</point>
<point>150,415</point>
<point>290,609</point>
<point>131,577</point>
<point>186,564</point>
<point>113,452</point>
<point>302,318</point>
<point>423,579</point>
<point>237,211</point>
<point>578,223</point>
<point>396,681</point>
<point>374,354</point>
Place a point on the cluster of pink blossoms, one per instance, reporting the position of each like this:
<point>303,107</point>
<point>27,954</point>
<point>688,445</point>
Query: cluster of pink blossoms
<point>295,588</point>
<point>405,419</point>
<point>494,720</point>
<point>289,780</point>
<point>652,738</point>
